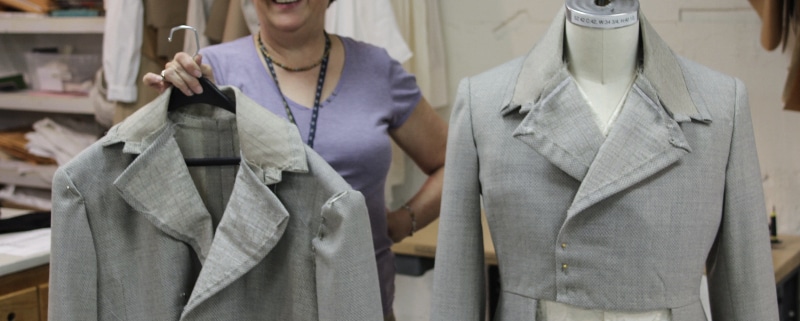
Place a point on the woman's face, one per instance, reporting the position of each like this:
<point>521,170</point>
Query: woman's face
<point>291,15</point>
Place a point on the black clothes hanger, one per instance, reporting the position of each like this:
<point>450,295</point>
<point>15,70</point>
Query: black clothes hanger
<point>212,96</point>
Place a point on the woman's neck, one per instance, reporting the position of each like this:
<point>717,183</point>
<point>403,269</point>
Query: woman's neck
<point>296,49</point>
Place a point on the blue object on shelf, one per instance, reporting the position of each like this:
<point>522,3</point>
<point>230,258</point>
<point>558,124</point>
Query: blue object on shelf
<point>75,13</point>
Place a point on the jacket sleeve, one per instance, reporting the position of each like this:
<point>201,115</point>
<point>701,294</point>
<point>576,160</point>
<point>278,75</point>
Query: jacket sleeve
<point>347,275</point>
<point>740,274</point>
<point>458,286</point>
<point>73,261</point>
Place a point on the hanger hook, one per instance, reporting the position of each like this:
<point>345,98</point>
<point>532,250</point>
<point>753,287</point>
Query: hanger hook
<point>196,37</point>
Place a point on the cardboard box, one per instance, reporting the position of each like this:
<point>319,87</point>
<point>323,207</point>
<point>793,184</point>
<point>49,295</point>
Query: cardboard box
<point>35,6</point>
<point>62,73</point>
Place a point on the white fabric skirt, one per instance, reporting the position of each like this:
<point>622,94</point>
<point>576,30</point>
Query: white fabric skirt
<point>555,311</point>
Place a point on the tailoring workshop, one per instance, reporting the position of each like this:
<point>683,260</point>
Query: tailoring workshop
<point>400,160</point>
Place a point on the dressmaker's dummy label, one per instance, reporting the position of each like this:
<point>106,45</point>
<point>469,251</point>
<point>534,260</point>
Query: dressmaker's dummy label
<point>603,22</point>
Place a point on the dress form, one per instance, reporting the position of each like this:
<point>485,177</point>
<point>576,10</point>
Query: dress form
<point>601,48</point>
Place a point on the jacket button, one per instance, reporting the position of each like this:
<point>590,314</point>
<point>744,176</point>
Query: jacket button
<point>563,245</point>
<point>564,267</point>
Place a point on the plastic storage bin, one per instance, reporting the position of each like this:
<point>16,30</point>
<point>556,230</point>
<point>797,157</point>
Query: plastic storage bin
<point>71,73</point>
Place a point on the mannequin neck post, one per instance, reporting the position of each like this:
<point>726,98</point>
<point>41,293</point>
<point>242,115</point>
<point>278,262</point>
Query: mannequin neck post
<point>603,63</point>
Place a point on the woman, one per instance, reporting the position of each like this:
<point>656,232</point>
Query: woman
<point>364,99</point>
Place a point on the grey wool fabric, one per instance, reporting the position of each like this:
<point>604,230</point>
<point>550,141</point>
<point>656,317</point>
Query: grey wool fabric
<point>627,222</point>
<point>138,235</point>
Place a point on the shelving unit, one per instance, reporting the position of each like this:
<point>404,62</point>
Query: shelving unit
<point>17,173</point>
<point>43,102</point>
<point>26,24</point>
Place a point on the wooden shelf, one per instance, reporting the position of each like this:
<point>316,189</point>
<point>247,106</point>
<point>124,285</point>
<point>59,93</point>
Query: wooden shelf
<point>11,23</point>
<point>45,102</point>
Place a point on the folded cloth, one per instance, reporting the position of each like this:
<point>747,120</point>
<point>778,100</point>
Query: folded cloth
<point>51,139</point>
<point>27,222</point>
<point>33,198</point>
<point>12,143</point>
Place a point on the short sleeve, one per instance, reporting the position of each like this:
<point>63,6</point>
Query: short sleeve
<point>405,94</point>
<point>211,58</point>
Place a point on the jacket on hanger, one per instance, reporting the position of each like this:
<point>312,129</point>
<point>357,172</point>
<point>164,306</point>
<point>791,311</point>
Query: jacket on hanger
<point>137,235</point>
<point>627,222</point>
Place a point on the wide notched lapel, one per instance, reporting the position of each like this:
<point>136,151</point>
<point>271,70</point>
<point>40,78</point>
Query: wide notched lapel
<point>562,128</point>
<point>643,141</point>
<point>253,223</point>
<point>179,213</point>
<point>558,124</point>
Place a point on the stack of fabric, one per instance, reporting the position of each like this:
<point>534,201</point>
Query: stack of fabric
<point>53,140</point>
<point>30,157</point>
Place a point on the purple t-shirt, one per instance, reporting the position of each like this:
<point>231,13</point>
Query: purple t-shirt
<point>374,94</point>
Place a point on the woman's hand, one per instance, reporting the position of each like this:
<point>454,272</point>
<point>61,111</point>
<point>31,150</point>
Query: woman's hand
<point>182,72</point>
<point>399,223</point>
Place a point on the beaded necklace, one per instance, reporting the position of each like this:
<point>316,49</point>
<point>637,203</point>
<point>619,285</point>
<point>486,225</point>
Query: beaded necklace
<point>292,69</point>
<point>323,63</point>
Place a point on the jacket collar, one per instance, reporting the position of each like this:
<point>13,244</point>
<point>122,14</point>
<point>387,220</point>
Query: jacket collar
<point>541,73</point>
<point>268,143</point>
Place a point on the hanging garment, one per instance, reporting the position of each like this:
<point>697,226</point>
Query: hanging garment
<point>122,41</point>
<point>138,235</point>
<point>196,16</point>
<point>370,21</point>
<point>627,222</point>
<point>421,25</point>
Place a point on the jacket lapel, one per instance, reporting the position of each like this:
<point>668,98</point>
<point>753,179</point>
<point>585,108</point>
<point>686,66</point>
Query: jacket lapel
<point>643,141</point>
<point>561,128</point>
<point>558,124</point>
<point>179,213</point>
<point>252,225</point>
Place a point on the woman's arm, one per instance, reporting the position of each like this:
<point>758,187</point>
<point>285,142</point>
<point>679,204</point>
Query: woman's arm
<point>423,137</point>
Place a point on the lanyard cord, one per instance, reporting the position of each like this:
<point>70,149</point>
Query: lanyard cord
<point>317,95</point>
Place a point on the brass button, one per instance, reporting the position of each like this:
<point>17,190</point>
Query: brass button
<point>564,267</point>
<point>563,245</point>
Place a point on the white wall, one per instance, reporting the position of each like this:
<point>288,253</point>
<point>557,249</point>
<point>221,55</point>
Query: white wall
<point>722,34</point>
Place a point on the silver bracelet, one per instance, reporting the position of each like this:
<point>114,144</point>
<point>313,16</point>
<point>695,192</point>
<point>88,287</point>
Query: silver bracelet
<point>413,219</point>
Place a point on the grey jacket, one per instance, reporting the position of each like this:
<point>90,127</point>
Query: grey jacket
<point>139,236</point>
<point>627,222</point>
